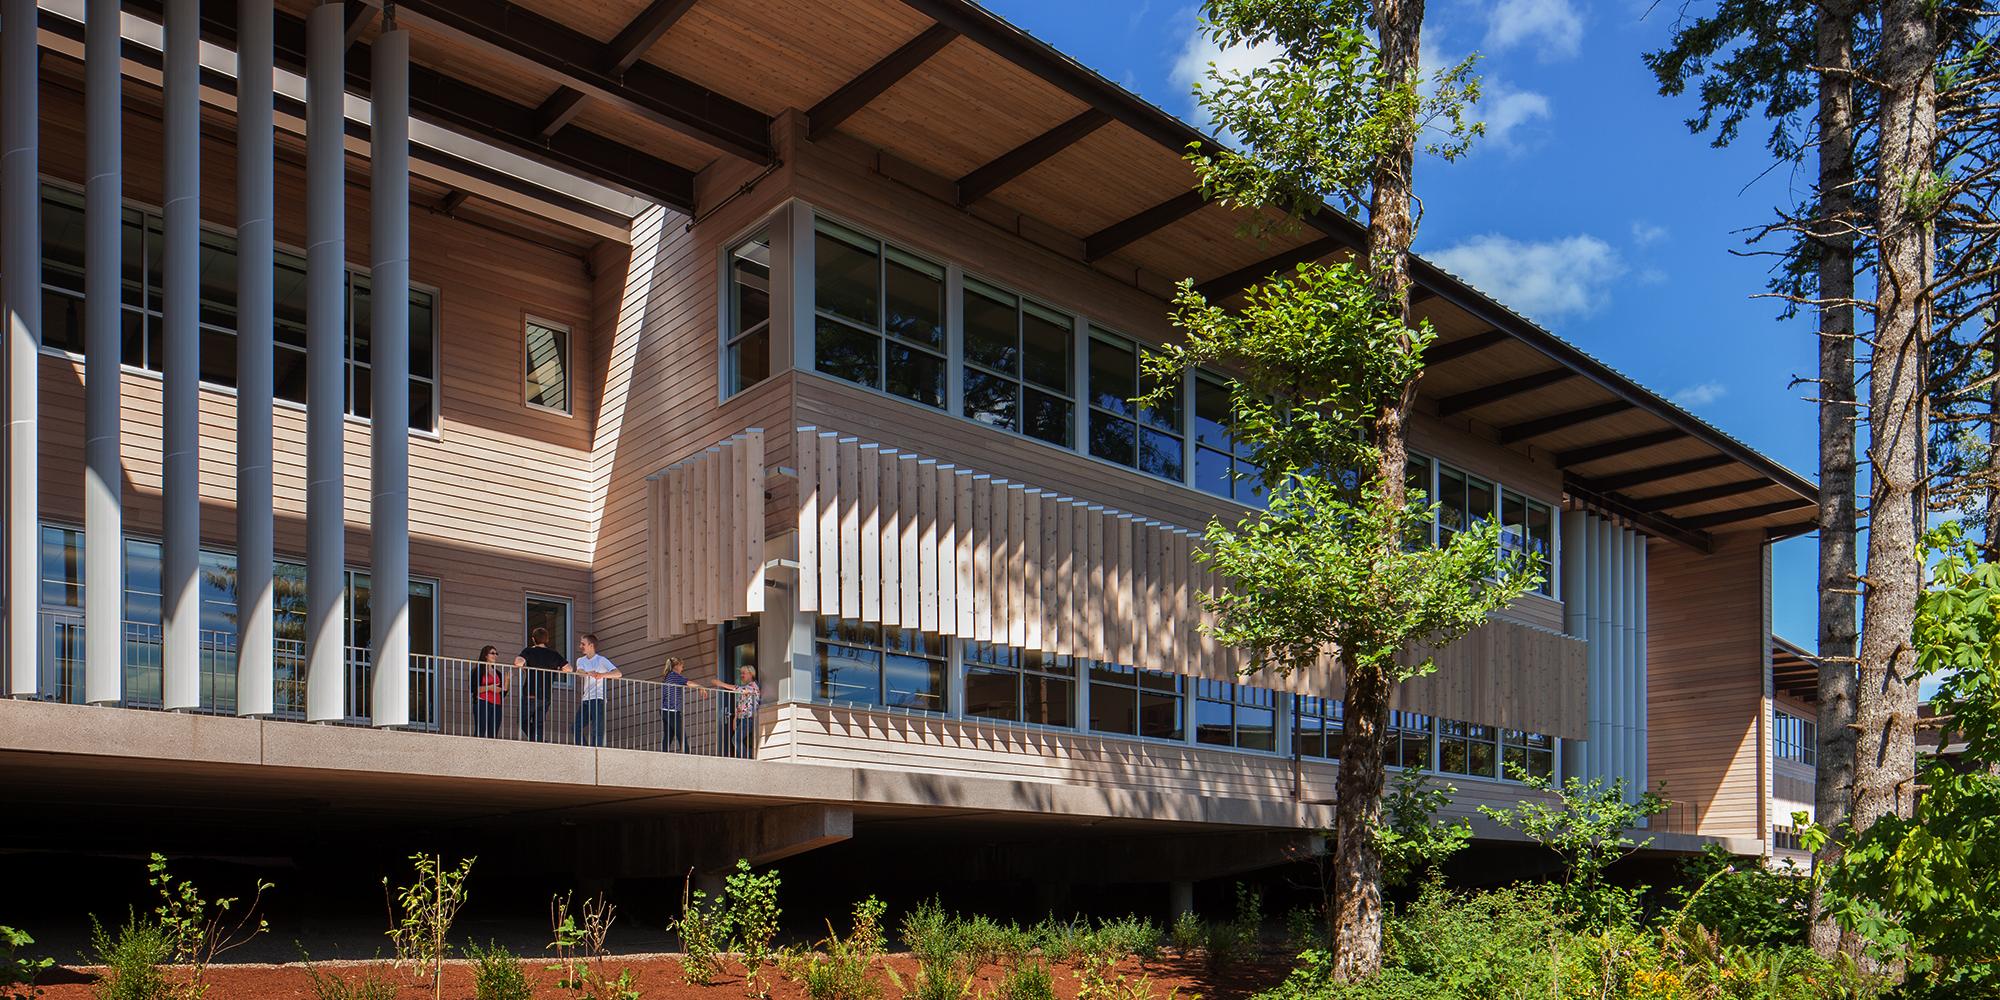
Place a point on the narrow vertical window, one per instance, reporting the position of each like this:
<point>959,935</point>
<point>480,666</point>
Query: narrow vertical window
<point>879,315</point>
<point>1527,533</point>
<point>747,347</point>
<point>1146,438</point>
<point>1222,463</point>
<point>1017,364</point>
<point>545,364</point>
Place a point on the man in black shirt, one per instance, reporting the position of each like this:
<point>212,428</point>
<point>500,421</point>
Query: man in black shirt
<point>537,682</point>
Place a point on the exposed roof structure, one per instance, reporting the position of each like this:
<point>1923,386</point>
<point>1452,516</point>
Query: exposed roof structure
<point>1794,671</point>
<point>641,95</point>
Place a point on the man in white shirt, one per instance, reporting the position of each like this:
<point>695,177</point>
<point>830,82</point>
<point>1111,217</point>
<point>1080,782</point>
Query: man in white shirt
<point>596,669</point>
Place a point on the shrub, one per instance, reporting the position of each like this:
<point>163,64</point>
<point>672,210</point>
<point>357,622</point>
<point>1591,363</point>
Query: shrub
<point>368,984</point>
<point>1305,929</point>
<point>840,969</point>
<point>17,971</point>
<point>932,937</point>
<point>703,928</point>
<point>1130,935</point>
<point>497,974</point>
<point>1059,939</point>
<point>132,959</point>
<point>1488,944</point>
<point>1187,933</point>
<point>197,930</point>
<point>421,914</point>
<point>1026,980</point>
<point>1742,901</point>
<point>1586,829</point>
<point>578,940</point>
<point>986,941</point>
<point>753,914</point>
<point>1228,943</point>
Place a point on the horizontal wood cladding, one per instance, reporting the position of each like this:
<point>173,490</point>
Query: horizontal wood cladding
<point>499,496</point>
<point>1707,637</point>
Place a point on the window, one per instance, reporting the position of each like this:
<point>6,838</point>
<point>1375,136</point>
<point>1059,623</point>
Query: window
<point>1318,727</point>
<point>63,305</point>
<point>1131,702</point>
<point>1795,739</point>
<point>1147,439</point>
<point>552,613</point>
<point>1019,685</point>
<point>1528,532</point>
<point>1466,748</point>
<point>62,568</point>
<point>1463,501</point>
<point>861,663</point>
<point>747,334</point>
<point>1235,715</point>
<point>1534,753</point>
<point>1409,740</point>
<point>879,316</point>
<point>739,646</point>
<point>545,363</point>
<point>1222,466</point>
<point>1017,364</point>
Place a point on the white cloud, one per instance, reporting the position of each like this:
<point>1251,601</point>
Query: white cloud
<point>1645,234</point>
<point>1700,395</point>
<point>1546,280</point>
<point>1554,27</point>
<point>1506,110</point>
<point>1198,51</point>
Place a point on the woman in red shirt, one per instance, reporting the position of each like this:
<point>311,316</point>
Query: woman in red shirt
<point>489,692</point>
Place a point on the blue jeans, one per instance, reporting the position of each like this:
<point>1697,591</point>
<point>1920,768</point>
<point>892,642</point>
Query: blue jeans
<point>590,719</point>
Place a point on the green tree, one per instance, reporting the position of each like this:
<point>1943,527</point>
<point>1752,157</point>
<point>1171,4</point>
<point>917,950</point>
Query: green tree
<point>1588,828</point>
<point>1326,363</point>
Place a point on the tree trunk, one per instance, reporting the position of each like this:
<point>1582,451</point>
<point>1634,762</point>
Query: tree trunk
<point>1834,786</point>
<point>1357,867</point>
<point>1357,864</point>
<point>1886,697</point>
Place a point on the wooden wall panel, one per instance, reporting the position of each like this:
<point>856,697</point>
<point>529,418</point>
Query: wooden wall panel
<point>710,507</point>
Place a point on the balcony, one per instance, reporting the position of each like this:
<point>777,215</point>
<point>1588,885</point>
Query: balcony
<point>518,704</point>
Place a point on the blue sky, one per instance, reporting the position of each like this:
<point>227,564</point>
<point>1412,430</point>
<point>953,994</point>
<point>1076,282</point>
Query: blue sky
<point>1588,207</point>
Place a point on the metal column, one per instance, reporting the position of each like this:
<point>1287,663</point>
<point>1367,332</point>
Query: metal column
<point>326,364</point>
<point>21,289</point>
<point>254,382</point>
<point>103,296</point>
<point>389,441</point>
<point>180,533</point>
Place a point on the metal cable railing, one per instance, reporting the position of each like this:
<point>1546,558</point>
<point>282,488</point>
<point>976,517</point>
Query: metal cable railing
<point>450,696</point>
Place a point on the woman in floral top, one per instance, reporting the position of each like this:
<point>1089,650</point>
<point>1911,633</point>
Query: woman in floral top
<point>741,724</point>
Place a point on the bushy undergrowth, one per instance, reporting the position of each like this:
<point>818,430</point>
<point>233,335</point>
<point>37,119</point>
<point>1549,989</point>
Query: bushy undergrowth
<point>133,957</point>
<point>1744,903</point>
<point>497,974</point>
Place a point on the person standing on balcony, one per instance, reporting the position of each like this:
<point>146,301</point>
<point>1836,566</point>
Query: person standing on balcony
<point>741,723</point>
<point>596,669</point>
<point>538,683</point>
<point>489,692</point>
<point>673,692</point>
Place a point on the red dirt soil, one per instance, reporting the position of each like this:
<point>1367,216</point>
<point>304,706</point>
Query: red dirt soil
<point>660,979</point>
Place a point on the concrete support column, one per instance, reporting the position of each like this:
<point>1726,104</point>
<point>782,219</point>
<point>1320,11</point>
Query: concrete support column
<point>21,293</point>
<point>103,299</point>
<point>1180,898</point>
<point>326,364</point>
<point>254,383</point>
<point>180,531</point>
<point>389,355</point>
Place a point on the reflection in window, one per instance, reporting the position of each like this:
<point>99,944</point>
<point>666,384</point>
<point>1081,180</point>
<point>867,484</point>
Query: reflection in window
<point>1235,715</point>
<point>1148,438</point>
<point>1222,464</point>
<point>1409,739</point>
<point>1017,364</point>
<point>862,663</point>
<point>1534,753</point>
<point>1466,748</point>
<point>747,350</point>
<point>1318,727</point>
<point>1795,738</point>
<point>880,315</point>
<point>1131,702</point>
<point>1528,533</point>
<point>1019,685</point>
<point>546,347</point>
<point>63,308</point>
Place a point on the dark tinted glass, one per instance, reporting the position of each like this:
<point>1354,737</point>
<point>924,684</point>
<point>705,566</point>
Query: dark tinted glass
<point>1045,353</point>
<point>916,303</point>
<point>916,374</point>
<point>992,337</point>
<point>1113,376</point>
<point>991,400</point>
<point>846,269</point>
<point>845,352</point>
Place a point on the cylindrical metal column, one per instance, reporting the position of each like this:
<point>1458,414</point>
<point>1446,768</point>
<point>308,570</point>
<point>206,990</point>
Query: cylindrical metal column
<point>21,290</point>
<point>1640,773</point>
<point>254,386</point>
<point>180,280</point>
<point>326,365</point>
<point>103,472</point>
<point>1576,622</point>
<point>389,355</point>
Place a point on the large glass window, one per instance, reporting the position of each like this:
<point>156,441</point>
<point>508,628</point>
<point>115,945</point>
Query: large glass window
<point>1318,727</point>
<point>1534,753</point>
<point>1017,364</point>
<point>1467,748</point>
<point>63,308</point>
<point>1222,464</point>
<point>1235,715</point>
<point>545,360</point>
<point>1463,501</point>
<point>1795,738</point>
<point>1131,702</point>
<point>1528,533</point>
<point>747,351</point>
<point>861,663</point>
<point>1145,438</point>
<point>1409,740</point>
<point>1019,685</point>
<point>880,315</point>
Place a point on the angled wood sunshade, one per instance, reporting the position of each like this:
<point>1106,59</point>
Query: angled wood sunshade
<point>707,538</point>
